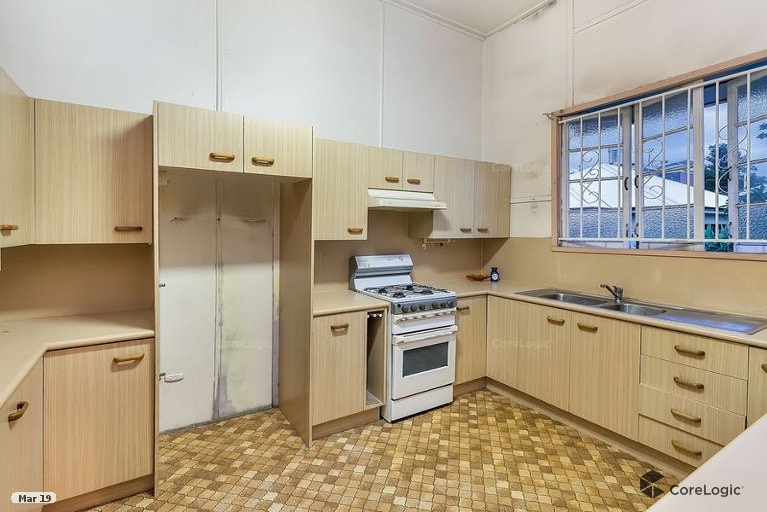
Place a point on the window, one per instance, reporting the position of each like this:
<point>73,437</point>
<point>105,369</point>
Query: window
<point>682,169</point>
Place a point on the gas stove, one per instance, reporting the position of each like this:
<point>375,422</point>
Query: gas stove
<point>410,298</point>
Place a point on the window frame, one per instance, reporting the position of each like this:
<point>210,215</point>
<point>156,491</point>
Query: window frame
<point>558,188</point>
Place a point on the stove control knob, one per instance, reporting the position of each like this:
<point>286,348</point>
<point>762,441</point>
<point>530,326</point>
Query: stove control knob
<point>422,307</point>
<point>405,309</point>
<point>443,304</point>
<point>451,303</point>
<point>435,305</point>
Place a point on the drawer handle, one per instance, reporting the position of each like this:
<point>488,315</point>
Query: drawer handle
<point>555,320</point>
<point>123,229</point>
<point>764,367</point>
<point>483,230</point>
<point>689,351</point>
<point>465,230</point>
<point>260,160</point>
<point>355,231</point>
<point>587,327</point>
<point>392,179</point>
<point>9,227</point>
<point>685,449</point>
<point>682,416</point>
<point>463,308</point>
<point>222,157</point>
<point>414,181</point>
<point>128,359</point>
<point>688,384</point>
<point>16,415</point>
<point>339,327</point>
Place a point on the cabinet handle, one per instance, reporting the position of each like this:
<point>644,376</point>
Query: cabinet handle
<point>463,308</point>
<point>391,179</point>
<point>128,359</point>
<point>555,320</point>
<point>121,229</point>
<point>688,384</point>
<point>682,416</point>
<point>682,448</point>
<point>483,230</point>
<point>414,181</point>
<point>9,227</point>
<point>21,408</point>
<point>764,367</point>
<point>587,327</point>
<point>689,351</point>
<point>259,160</point>
<point>339,327</point>
<point>465,230</point>
<point>355,231</point>
<point>222,157</point>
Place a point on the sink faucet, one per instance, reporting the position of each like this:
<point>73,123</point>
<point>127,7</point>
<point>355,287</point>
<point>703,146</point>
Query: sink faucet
<point>615,291</point>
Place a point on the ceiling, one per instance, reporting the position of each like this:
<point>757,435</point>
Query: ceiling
<point>482,17</point>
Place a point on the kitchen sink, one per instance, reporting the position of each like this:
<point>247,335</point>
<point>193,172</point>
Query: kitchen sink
<point>633,309</point>
<point>572,298</point>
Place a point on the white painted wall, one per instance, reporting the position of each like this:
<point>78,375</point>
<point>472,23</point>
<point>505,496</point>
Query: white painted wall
<point>581,50</point>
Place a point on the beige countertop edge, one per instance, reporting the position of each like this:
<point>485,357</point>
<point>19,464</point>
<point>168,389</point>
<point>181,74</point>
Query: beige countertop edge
<point>24,342</point>
<point>336,301</point>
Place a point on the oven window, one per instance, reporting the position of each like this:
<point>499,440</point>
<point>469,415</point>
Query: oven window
<point>423,359</point>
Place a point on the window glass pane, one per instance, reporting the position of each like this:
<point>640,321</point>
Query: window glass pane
<point>422,359</point>
<point>758,221</point>
<point>676,115</point>
<point>675,148</point>
<point>758,99</point>
<point>758,134</point>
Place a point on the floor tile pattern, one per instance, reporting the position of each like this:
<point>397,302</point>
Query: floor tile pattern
<point>483,452</point>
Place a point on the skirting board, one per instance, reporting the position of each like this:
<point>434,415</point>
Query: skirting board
<point>345,423</point>
<point>659,460</point>
<point>469,387</point>
<point>102,496</point>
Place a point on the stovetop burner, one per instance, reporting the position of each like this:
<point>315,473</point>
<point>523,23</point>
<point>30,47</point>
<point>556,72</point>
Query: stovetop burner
<point>403,291</point>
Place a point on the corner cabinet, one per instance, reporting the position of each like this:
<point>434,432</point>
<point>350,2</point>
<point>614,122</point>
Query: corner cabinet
<point>93,175</point>
<point>471,345</point>
<point>340,190</point>
<point>502,318</point>
<point>757,384</point>
<point>492,200</point>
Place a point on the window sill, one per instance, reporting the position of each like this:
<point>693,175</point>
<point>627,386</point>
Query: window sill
<point>742,256</point>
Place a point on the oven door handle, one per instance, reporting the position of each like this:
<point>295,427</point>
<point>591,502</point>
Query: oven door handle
<point>426,315</point>
<point>441,333</point>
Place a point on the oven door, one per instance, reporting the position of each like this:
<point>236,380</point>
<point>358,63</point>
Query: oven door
<point>422,361</point>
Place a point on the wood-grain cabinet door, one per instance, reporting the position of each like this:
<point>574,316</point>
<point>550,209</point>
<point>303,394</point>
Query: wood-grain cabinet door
<point>196,138</point>
<point>604,372</point>
<point>385,169</point>
<point>502,340</point>
<point>21,441</point>
<point>757,384</point>
<point>454,185</point>
<point>93,175</point>
<point>543,354</point>
<point>16,164</point>
<point>278,148</point>
<point>492,196</point>
<point>340,190</point>
<point>99,410</point>
<point>338,349</point>
<point>471,345</point>
<point>417,172</point>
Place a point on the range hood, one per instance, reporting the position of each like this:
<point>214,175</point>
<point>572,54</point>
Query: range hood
<point>403,200</point>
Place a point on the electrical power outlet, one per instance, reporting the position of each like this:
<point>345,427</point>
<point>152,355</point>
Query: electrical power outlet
<point>174,376</point>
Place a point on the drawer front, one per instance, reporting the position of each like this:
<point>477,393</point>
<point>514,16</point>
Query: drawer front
<point>757,384</point>
<point>675,443</point>
<point>708,422</point>
<point>696,351</point>
<point>684,381</point>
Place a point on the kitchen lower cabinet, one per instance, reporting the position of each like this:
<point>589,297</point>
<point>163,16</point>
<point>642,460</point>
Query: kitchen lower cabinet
<point>99,416</point>
<point>21,435</point>
<point>471,344</point>
<point>543,353</point>
<point>502,320</point>
<point>340,198</point>
<point>93,175</point>
<point>757,384</point>
<point>338,364</point>
<point>277,148</point>
<point>604,372</point>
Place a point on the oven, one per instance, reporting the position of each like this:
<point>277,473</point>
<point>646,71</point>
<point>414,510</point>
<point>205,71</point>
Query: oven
<point>422,361</point>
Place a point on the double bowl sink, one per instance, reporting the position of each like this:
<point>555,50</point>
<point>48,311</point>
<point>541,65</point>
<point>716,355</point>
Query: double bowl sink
<point>726,321</point>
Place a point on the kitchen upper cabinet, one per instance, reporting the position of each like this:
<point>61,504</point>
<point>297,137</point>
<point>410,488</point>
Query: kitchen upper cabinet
<point>454,185</point>
<point>385,169</point>
<point>196,138</point>
<point>543,353</point>
<point>93,175</point>
<point>99,416</point>
<point>417,172</point>
<point>471,345</point>
<point>757,384</point>
<point>502,318</point>
<point>492,200</point>
<point>604,372</point>
<point>277,148</point>
<point>16,164</point>
<point>340,190</point>
<point>21,436</point>
<point>338,362</point>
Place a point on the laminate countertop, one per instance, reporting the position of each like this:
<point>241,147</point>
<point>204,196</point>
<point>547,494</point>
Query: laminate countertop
<point>332,301</point>
<point>23,342</point>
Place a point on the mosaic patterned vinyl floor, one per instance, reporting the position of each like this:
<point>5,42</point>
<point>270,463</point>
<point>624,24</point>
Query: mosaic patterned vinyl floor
<point>483,452</point>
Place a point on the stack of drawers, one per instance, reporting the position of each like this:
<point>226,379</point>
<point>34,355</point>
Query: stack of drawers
<point>693,393</point>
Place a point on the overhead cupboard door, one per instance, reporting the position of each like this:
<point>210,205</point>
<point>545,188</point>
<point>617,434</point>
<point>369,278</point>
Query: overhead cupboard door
<point>278,148</point>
